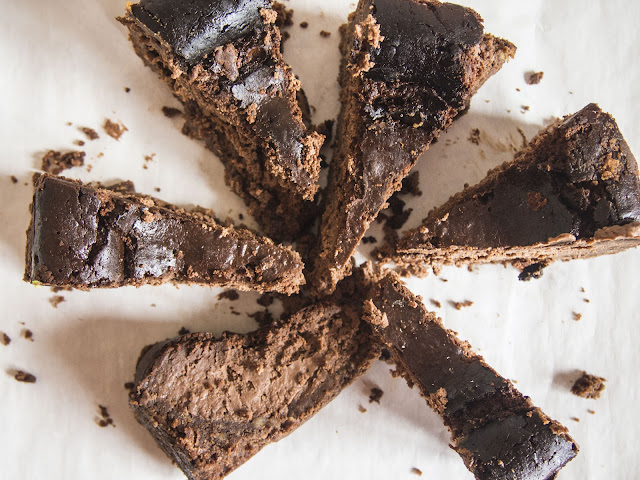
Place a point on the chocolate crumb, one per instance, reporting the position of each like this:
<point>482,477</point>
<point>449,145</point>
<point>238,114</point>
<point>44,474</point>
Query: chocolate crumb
<point>127,89</point>
<point>416,471</point>
<point>27,334</point>
<point>183,331</point>
<point>56,162</point>
<point>156,189</point>
<point>262,317</point>
<point>304,24</point>
<point>24,377</point>
<point>436,303</point>
<point>588,386</point>
<point>147,159</point>
<point>586,300</point>
<point>231,295</point>
<point>460,305</point>
<point>79,143</point>
<point>90,133</point>
<point>411,185</point>
<point>376,395</point>
<point>592,412</point>
<point>535,270</point>
<point>56,300</point>
<point>106,419</point>
<point>361,409</point>
<point>369,239</point>
<point>171,112</point>
<point>153,305</point>
<point>444,280</point>
<point>14,179</point>
<point>533,78</point>
<point>325,34</point>
<point>265,299</point>
<point>474,136</point>
<point>525,108</point>
<point>575,419</point>
<point>114,129</point>
<point>129,386</point>
<point>4,339</point>
<point>577,316</point>
<point>241,216</point>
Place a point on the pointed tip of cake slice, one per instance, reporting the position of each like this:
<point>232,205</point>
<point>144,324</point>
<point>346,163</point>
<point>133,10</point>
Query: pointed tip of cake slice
<point>486,59</point>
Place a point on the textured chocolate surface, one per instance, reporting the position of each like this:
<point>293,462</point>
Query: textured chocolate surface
<point>409,68</point>
<point>82,236</point>
<point>495,429</point>
<point>211,404</point>
<point>576,178</point>
<point>222,59</point>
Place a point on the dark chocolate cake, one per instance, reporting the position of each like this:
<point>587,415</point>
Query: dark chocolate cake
<point>496,430</point>
<point>211,404</point>
<point>572,193</point>
<point>222,59</point>
<point>409,68</point>
<point>82,236</point>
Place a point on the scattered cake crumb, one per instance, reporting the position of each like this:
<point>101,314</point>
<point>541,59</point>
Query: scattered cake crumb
<point>183,331</point>
<point>129,385</point>
<point>79,143</point>
<point>525,108</point>
<point>376,395</point>
<point>582,290</point>
<point>171,112</point>
<point>127,89</point>
<point>588,386</point>
<point>231,295</point>
<point>444,280</point>
<point>577,316</point>
<point>265,299</point>
<point>114,129</point>
<point>533,271</point>
<point>4,339</point>
<point>90,133</point>
<point>156,189</point>
<point>148,159</point>
<point>14,179</point>
<point>474,136</point>
<point>27,334</point>
<point>361,409</point>
<point>106,419</point>
<point>55,162</point>
<point>369,239</point>
<point>153,305</point>
<point>460,305</point>
<point>533,78</point>
<point>575,419</point>
<point>24,377</point>
<point>436,303</point>
<point>592,412</point>
<point>586,300</point>
<point>416,471</point>
<point>411,185</point>
<point>325,34</point>
<point>56,300</point>
<point>304,24</point>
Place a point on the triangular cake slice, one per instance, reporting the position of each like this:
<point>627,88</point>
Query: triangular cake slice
<point>83,237</point>
<point>572,193</point>
<point>409,67</point>
<point>211,404</point>
<point>222,59</point>
<point>496,430</point>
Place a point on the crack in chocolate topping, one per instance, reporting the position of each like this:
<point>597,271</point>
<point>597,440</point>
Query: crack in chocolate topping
<point>195,28</point>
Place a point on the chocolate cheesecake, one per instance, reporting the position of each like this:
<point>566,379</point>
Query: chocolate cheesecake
<point>572,193</point>
<point>496,430</point>
<point>84,237</point>
<point>211,404</point>
<point>223,61</point>
<point>409,68</point>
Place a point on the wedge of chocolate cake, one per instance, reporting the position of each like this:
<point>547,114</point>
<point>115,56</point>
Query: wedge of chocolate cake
<point>572,193</point>
<point>83,236</point>
<point>222,59</point>
<point>409,67</point>
<point>211,404</point>
<point>496,430</point>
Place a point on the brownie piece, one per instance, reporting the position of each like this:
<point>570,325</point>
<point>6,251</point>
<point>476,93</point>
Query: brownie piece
<point>211,404</point>
<point>223,61</point>
<point>494,428</point>
<point>83,236</point>
<point>572,193</point>
<point>408,68</point>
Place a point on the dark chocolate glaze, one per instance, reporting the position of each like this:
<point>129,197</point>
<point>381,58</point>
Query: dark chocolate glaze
<point>194,28</point>
<point>496,429</point>
<point>82,236</point>
<point>576,177</point>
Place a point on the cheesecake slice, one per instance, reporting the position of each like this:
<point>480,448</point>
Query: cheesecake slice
<point>212,403</point>
<point>409,68</point>
<point>84,237</point>
<point>223,61</point>
<point>496,430</point>
<point>572,193</point>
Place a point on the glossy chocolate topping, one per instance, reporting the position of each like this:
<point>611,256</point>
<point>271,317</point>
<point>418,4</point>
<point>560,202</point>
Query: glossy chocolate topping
<point>83,236</point>
<point>496,430</point>
<point>195,28</point>
<point>575,178</point>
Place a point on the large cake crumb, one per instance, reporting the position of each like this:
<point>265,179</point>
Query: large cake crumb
<point>24,377</point>
<point>114,129</point>
<point>55,162</point>
<point>588,386</point>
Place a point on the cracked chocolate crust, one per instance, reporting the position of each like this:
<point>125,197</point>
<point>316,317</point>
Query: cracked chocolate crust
<point>409,68</point>
<point>86,237</point>
<point>222,60</point>
<point>496,430</point>
<point>211,404</point>
<point>572,193</point>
